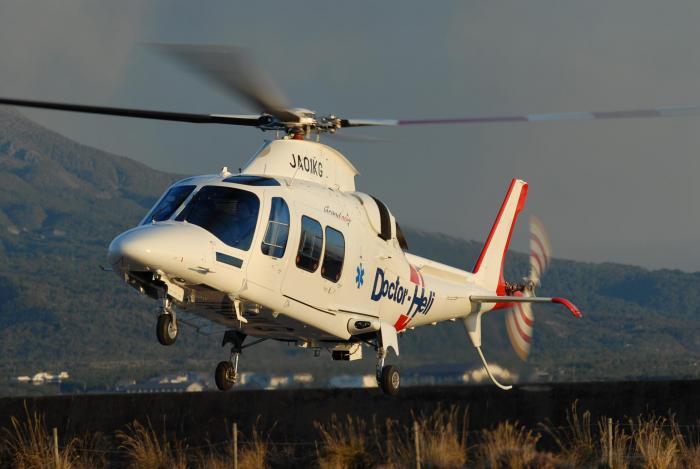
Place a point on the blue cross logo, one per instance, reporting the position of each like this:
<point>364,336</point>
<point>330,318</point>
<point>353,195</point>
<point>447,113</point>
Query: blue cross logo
<point>360,277</point>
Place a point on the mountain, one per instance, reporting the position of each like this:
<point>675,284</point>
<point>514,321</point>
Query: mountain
<point>61,203</point>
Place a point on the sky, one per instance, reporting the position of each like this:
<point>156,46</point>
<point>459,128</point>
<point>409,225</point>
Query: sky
<point>608,191</point>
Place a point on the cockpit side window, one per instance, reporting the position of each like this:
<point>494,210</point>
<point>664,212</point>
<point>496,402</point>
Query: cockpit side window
<point>310,244</point>
<point>334,256</point>
<point>275,241</point>
<point>169,203</point>
<point>229,214</point>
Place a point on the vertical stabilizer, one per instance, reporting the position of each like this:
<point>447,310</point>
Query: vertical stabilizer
<point>489,268</point>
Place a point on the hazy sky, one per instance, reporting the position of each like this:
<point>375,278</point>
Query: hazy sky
<point>622,191</point>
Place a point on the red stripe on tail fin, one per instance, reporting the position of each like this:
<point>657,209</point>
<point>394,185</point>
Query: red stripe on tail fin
<point>489,267</point>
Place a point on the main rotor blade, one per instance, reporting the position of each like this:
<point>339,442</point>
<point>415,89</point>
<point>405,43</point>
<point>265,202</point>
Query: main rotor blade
<point>235,72</point>
<point>249,120</point>
<point>675,111</point>
<point>356,138</point>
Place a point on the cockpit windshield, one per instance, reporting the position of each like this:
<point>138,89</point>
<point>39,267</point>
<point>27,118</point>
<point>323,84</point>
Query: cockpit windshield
<point>229,214</point>
<point>169,203</point>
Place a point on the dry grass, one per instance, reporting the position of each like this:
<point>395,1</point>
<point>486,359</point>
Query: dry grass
<point>91,451</point>
<point>621,450</point>
<point>354,443</point>
<point>658,441</point>
<point>690,451</point>
<point>253,452</point>
<point>647,441</point>
<point>443,438</point>
<point>394,446</point>
<point>576,442</point>
<point>146,450</point>
<point>509,445</point>
<point>344,444</point>
<point>29,445</point>
<point>690,458</point>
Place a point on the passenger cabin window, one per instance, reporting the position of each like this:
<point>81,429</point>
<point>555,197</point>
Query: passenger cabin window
<point>169,203</point>
<point>310,244</point>
<point>227,213</point>
<point>275,240</point>
<point>335,254</point>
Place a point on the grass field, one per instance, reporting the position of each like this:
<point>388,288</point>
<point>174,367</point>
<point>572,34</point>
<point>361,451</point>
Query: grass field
<point>441,439</point>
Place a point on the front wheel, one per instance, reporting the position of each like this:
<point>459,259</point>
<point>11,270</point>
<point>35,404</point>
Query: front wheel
<point>225,376</point>
<point>390,380</point>
<point>166,329</point>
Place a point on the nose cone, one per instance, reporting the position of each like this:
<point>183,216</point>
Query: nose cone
<point>162,246</point>
<point>134,249</point>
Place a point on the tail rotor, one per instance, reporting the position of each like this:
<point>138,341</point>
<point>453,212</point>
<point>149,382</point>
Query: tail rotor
<point>520,318</point>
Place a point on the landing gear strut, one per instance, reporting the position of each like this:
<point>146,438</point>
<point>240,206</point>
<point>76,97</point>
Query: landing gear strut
<point>388,377</point>
<point>166,328</point>
<point>226,373</point>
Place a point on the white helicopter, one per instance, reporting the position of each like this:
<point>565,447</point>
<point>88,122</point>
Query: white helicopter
<point>288,249</point>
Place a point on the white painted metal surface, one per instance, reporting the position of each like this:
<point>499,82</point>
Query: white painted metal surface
<point>380,290</point>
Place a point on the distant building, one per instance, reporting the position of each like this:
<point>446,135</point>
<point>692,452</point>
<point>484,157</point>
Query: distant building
<point>178,382</point>
<point>353,381</point>
<point>252,380</point>
<point>303,379</point>
<point>453,374</point>
<point>278,382</point>
<point>42,377</point>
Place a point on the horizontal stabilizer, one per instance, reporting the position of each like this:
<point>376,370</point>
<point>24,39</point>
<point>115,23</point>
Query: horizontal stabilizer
<point>527,299</point>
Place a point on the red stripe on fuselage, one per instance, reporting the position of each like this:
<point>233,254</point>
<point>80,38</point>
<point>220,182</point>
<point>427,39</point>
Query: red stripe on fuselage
<point>416,276</point>
<point>401,323</point>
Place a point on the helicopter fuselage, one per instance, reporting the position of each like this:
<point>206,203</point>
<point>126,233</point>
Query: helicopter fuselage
<point>307,262</point>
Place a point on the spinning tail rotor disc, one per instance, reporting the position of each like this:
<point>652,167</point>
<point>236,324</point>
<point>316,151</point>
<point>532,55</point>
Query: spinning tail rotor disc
<point>520,318</point>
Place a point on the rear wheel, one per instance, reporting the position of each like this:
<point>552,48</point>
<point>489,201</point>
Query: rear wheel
<point>166,329</point>
<point>225,376</point>
<point>390,380</point>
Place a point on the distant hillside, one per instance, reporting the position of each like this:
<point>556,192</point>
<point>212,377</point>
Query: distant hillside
<point>62,202</point>
<point>637,323</point>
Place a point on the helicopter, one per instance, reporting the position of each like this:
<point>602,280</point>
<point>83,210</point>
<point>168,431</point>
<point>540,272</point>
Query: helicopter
<point>287,249</point>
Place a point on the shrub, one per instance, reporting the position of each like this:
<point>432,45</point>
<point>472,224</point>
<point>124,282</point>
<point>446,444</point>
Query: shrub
<point>146,450</point>
<point>620,444</point>
<point>509,445</point>
<point>343,444</point>
<point>443,438</point>
<point>29,445</point>
<point>575,441</point>
<point>658,441</point>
